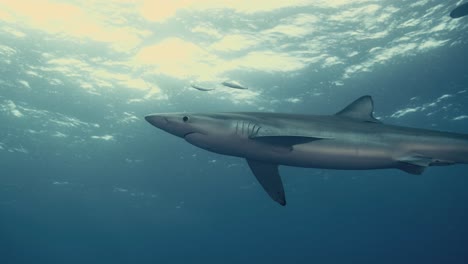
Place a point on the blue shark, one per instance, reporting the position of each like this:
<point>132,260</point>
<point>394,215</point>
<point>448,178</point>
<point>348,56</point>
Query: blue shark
<point>351,139</point>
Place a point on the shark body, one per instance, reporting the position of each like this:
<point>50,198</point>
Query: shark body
<point>352,139</point>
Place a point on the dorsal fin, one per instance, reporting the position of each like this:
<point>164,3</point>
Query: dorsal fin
<point>361,109</point>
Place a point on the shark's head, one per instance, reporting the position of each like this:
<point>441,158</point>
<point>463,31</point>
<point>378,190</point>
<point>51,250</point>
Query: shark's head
<point>176,124</point>
<point>202,130</point>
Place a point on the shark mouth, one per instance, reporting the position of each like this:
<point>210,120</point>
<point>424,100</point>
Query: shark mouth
<point>190,133</point>
<point>198,139</point>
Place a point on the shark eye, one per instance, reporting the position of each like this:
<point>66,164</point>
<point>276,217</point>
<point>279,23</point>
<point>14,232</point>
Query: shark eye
<point>185,118</point>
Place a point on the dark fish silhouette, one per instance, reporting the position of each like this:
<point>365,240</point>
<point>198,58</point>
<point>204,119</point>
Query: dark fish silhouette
<point>201,88</point>
<point>460,11</point>
<point>234,84</point>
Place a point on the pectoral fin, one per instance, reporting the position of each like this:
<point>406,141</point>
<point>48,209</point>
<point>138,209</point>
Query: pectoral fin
<point>268,176</point>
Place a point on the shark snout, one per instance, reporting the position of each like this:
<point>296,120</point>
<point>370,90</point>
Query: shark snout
<point>157,120</point>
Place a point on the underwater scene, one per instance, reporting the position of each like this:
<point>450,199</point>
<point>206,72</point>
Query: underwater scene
<point>207,131</point>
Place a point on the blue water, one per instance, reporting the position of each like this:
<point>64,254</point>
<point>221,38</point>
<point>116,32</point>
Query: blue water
<point>85,179</point>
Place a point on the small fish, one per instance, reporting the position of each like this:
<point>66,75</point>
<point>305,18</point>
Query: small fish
<point>234,84</point>
<point>460,11</point>
<point>201,88</point>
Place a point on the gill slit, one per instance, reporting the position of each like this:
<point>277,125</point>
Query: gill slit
<point>249,129</point>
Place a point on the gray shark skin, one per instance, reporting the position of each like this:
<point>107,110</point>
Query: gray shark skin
<point>352,139</point>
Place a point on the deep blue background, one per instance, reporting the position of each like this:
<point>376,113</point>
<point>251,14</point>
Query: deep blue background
<point>149,197</point>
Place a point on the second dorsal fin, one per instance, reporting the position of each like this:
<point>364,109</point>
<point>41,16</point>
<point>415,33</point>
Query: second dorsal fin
<point>361,109</point>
